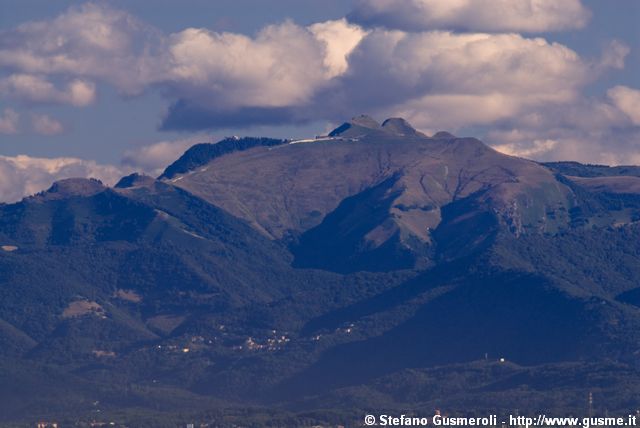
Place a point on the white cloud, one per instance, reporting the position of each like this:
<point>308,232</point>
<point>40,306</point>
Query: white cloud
<point>24,175</point>
<point>9,121</point>
<point>626,100</point>
<point>592,130</point>
<point>293,73</point>
<point>473,15</point>
<point>38,90</point>
<point>339,38</point>
<point>529,150</point>
<point>443,79</point>
<point>92,41</point>
<point>614,55</point>
<point>152,159</point>
<point>283,65</point>
<point>46,125</point>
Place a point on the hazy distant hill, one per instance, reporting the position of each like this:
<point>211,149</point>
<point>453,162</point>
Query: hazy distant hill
<point>375,267</point>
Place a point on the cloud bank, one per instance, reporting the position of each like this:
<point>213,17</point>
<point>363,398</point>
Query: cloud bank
<point>529,16</point>
<point>289,74</point>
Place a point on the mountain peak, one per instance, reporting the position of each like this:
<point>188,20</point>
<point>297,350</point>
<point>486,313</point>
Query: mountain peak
<point>365,121</point>
<point>134,180</point>
<point>73,187</point>
<point>357,126</point>
<point>399,126</point>
<point>364,125</point>
<point>443,135</point>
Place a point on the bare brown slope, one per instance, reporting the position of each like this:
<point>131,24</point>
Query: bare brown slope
<point>292,187</point>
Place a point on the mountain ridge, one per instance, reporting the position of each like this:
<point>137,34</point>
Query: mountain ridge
<point>200,154</point>
<point>372,268</point>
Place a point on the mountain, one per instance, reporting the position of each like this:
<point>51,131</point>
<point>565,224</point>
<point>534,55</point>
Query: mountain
<point>372,268</point>
<point>306,191</point>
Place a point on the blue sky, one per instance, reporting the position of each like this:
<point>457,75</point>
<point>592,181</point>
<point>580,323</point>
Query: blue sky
<point>103,88</point>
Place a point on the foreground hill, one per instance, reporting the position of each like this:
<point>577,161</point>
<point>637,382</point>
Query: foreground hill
<point>375,267</point>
